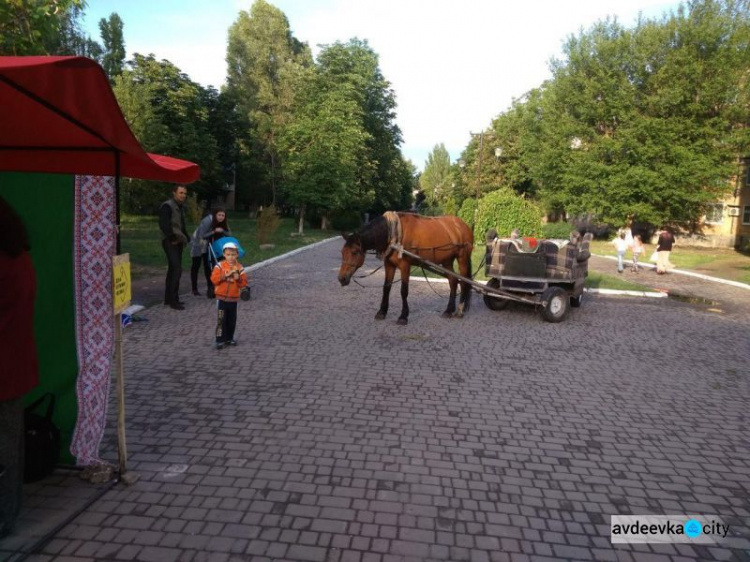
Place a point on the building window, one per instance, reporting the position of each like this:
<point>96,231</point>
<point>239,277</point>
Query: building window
<point>746,214</point>
<point>715,213</point>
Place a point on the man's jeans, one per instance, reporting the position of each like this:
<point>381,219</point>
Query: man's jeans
<point>174,271</point>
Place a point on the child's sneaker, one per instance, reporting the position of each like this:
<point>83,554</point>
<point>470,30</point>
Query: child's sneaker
<point>232,343</point>
<point>220,345</point>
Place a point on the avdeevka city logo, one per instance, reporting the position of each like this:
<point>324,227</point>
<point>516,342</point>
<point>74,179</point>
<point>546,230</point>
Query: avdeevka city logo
<point>693,528</point>
<point>667,529</point>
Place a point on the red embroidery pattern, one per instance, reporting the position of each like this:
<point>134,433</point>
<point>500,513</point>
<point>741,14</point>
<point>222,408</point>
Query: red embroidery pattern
<point>94,246</point>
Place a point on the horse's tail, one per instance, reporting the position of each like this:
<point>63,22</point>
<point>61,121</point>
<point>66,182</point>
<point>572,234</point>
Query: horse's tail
<point>465,287</point>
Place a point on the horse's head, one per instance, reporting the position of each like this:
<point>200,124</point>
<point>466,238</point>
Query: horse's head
<point>352,258</point>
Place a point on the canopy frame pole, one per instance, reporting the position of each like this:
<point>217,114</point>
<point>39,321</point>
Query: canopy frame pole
<point>117,202</point>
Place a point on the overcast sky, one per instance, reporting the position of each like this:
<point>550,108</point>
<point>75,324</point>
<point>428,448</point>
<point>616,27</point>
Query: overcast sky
<point>453,65</point>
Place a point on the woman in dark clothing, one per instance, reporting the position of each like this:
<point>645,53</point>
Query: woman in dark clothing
<point>212,227</point>
<point>664,246</point>
<point>19,372</point>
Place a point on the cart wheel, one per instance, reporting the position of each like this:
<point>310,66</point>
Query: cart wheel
<point>491,302</point>
<point>557,304</point>
<point>575,302</point>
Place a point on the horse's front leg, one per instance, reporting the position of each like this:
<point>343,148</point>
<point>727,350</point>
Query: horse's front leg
<point>453,282</point>
<point>405,269</point>
<point>390,271</point>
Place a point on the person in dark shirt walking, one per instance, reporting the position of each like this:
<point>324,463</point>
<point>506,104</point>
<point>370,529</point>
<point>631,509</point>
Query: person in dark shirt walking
<point>664,247</point>
<point>174,239</point>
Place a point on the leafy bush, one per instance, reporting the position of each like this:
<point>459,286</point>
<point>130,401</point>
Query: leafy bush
<point>557,230</point>
<point>346,221</point>
<point>193,210</point>
<point>268,222</point>
<point>142,197</point>
<point>435,210</point>
<point>450,207</point>
<point>467,211</point>
<point>504,210</point>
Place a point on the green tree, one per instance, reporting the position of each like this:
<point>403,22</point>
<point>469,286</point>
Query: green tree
<point>437,179</point>
<point>265,63</point>
<point>381,171</point>
<point>655,112</point>
<point>44,27</point>
<point>324,145</point>
<point>647,121</point>
<point>225,126</point>
<point>113,40</point>
<point>170,114</point>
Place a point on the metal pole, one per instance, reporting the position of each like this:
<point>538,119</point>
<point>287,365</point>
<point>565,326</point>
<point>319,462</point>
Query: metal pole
<point>479,167</point>
<point>117,201</point>
<point>122,448</point>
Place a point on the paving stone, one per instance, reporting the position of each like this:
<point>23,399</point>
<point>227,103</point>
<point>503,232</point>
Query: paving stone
<point>326,434</point>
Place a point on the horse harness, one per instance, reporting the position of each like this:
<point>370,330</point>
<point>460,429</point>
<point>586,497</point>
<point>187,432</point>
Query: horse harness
<point>396,234</point>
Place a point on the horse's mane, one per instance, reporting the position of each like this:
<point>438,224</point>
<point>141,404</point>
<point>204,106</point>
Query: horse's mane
<point>374,235</point>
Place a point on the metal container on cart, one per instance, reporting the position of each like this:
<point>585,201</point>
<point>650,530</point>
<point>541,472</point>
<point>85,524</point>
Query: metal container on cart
<point>548,273</point>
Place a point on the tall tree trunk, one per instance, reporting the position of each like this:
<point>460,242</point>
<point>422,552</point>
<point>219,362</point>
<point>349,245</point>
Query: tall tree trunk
<point>273,179</point>
<point>301,220</point>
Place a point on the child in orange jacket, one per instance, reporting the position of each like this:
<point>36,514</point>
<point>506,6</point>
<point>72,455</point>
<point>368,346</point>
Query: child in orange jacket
<point>228,278</point>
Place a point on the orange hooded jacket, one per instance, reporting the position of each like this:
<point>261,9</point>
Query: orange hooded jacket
<point>227,289</point>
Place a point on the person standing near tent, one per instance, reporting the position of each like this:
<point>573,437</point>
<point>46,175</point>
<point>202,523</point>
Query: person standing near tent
<point>211,228</point>
<point>174,240</point>
<point>19,371</point>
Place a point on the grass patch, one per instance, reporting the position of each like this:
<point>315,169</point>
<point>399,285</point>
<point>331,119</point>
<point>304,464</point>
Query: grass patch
<point>596,280</point>
<point>142,239</point>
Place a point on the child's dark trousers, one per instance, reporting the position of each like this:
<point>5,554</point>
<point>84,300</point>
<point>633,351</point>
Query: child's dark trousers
<point>226,322</point>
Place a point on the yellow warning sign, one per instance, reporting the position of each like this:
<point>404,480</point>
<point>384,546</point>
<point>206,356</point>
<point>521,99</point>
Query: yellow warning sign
<point>121,282</point>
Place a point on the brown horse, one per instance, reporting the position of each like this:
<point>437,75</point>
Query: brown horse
<point>440,240</point>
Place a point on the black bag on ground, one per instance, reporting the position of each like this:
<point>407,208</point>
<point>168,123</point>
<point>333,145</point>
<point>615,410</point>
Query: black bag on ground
<point>41,441</point>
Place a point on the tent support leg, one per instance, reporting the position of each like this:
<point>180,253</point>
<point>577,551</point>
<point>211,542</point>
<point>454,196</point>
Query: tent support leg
<point>121,444</point>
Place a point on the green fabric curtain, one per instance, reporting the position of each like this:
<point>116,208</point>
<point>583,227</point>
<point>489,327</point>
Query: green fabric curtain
<point>45,202</point>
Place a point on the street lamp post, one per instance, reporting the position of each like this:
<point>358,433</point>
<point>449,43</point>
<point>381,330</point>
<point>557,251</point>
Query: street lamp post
<point>498,154</point>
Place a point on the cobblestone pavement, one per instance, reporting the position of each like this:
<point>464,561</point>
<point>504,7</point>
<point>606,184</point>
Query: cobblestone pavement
<point>328,436</point>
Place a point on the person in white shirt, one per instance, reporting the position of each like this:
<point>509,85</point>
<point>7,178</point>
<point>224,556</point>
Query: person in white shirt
<point>621,245</point>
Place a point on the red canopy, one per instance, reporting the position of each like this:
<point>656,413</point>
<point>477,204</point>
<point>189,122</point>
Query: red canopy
<point>59,115</point>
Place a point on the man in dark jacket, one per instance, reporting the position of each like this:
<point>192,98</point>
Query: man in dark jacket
<point>174,239</point>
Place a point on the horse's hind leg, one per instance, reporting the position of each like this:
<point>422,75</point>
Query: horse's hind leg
<point>405,270</point>
<point>453,282</point>
<point>464,268</point>
<point>390,270</point>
